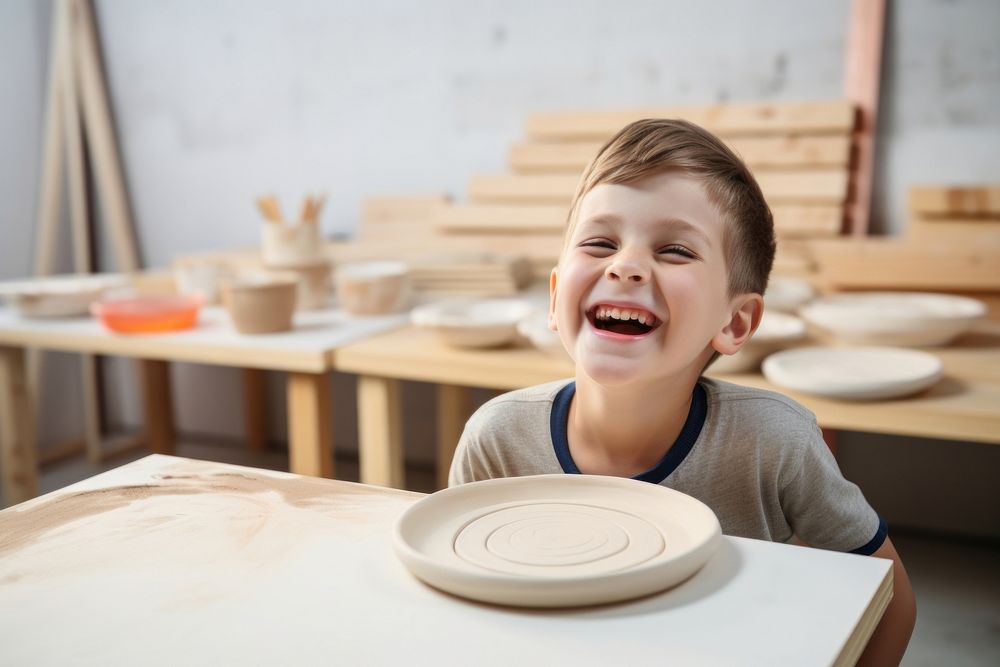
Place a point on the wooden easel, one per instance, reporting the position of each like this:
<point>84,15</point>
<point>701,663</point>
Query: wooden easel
<point>78,114</point>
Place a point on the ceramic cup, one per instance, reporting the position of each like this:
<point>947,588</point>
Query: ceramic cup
<point>261,303</point>
<point>373,288</point>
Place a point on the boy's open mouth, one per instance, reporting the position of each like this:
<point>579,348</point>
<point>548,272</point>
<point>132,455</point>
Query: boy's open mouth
<point>622,321</point>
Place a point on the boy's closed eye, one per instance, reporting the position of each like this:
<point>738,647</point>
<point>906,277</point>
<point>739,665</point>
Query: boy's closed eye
<point>602,247</point>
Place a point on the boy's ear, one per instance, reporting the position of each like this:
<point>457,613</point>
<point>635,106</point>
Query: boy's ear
<point>552,301</point>
<point>747,310</point>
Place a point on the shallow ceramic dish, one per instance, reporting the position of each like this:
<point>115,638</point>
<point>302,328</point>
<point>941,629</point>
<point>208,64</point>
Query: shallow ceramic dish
<point>157,313</point>
<point>556,540</point>
<point>776,331</point>
<point>787,295</point>
<point>853,373</point>
<point>59,296</point>
<point>536,330</point>
<point>912,319</point>
<point>373,288</point>
<point>473,324</point>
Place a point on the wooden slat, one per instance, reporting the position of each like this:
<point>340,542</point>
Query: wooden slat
<point>502,219</point>
<point>816,186</point>
<point>807,221</point>
<point>758,152</point>
<point>969,230</point>
<point>902,264</point>
<point>956,201</point>
<point>377,209</point>
<point>789,219</point>
<point>836,116</point>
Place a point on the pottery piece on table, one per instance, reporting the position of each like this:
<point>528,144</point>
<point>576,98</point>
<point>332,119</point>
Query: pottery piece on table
<point>201,276</point>
<point>291,245</point>
<point>314,290</point>
<point>67,295</point>
<point>473,324</point>
<point>261,303</point>
<point>909,319</point>
<point>148,313</point>
<point>556,540</point>
<point>373,288</point>
<point>853,373</point>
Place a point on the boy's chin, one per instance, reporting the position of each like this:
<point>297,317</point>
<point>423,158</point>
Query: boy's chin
<point>613,372</point>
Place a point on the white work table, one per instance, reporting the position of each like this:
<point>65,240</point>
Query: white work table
<point>305,353</point>
<point>169,561</point>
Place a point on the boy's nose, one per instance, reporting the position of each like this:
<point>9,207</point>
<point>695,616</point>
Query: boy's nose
<point>627,269</point>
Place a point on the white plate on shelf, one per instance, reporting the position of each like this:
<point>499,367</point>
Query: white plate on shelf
<point>68,295</point>
<point>914,319</point>
<point>853,373</point>
<point>479,323</point>
<point>556,540</point>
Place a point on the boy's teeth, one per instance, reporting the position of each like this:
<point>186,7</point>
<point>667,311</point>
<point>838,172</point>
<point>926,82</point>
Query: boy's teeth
<point>623,314</point>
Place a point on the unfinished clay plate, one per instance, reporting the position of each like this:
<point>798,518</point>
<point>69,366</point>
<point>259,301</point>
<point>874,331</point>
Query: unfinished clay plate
<point>853,373</point>
<point>894,318</point>
<point>475,324</point>
<point>556,540</point>
<point>59,296</point>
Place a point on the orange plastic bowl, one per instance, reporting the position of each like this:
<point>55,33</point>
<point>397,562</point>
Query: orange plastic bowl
<point>148,314</point>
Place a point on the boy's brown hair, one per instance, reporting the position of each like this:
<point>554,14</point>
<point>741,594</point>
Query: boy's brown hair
<point>652,146</point>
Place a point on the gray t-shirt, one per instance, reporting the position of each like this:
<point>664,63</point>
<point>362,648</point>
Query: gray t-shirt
<point>757,458</point>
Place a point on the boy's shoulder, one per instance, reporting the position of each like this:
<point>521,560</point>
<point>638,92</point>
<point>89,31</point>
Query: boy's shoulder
<point>510,406</point>
<point>755,408</point>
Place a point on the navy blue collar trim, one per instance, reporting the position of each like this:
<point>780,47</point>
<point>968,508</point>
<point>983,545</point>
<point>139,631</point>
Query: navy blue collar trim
<point>876,542</point>
<point>559,419</point>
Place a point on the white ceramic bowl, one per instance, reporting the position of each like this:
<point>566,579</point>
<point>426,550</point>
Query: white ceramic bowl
<point>787,294</point>
<point>60,296</point>
<point>475,324</point>
<point>373,288</point>
<point>853,373</point>
<point>536,330</point>
<point>776,331</point>
<point>910,319</point>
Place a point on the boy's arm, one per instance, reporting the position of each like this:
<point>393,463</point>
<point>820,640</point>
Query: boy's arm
<point>888,642</point>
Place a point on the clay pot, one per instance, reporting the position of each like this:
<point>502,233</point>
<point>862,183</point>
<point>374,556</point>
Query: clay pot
<point>261,304</point>
<point>373,288</point>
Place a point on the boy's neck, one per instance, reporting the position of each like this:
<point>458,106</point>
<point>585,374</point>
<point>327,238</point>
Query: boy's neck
<point>624,431</point>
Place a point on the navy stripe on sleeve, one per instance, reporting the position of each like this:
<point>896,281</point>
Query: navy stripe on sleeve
<point>876,542</point>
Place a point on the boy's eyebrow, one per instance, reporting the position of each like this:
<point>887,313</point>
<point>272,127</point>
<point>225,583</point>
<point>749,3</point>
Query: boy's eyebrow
<point>606,220</point>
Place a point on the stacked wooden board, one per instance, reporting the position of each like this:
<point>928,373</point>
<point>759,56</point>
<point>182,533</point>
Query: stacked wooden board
<point>402,227</point>
<point>952,244</point>
<point>799,152</point>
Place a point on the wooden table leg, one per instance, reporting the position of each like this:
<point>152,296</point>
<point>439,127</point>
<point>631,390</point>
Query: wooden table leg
<point>158,402</point>
<point>310,446</point>
<point>453,409</point>
<point>380,447</point>
<point>91,388</point>
<point>18,467</point>
<point>255,408</point>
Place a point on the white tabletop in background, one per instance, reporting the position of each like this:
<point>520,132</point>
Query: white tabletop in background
<point>185,562</point>
<point>213,340</point>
